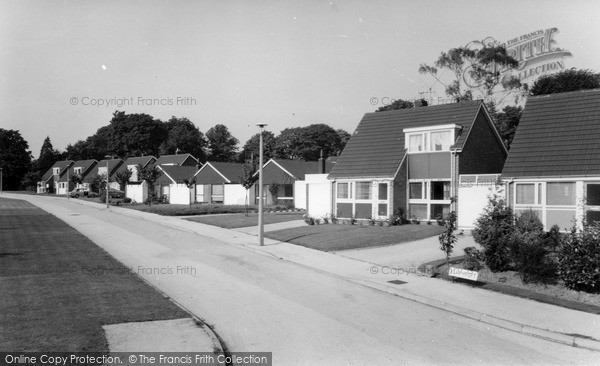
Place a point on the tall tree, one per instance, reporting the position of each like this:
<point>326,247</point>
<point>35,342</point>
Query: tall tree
<point>222,145</point>
<point>566,81</point>
<point>48,156</point>
<point>344,137</point>
<point>81,151</point>
<point>306,143</point>
<point>184,137</point>
<point>250,151</point>
<point>15,158</point>
<point>135,135</point>
<point>507,122</point>
<point>477,69</point>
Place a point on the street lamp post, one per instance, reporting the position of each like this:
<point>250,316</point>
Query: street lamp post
<point>261,229</point>
<point>68,183</point>
<point>0,180</point>
<point>107,157</point>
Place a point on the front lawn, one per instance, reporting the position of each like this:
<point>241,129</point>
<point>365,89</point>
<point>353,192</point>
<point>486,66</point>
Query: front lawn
<point>58,288</point>
<point>332,237</point>
<point>240,220</point>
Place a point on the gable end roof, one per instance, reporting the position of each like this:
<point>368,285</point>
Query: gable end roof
<point>558,135</point>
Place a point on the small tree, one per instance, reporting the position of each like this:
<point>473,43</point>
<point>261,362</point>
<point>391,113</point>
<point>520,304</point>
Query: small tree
<point>447,237</point>
<point>492,231</point>
<point>150,174</point>
<point>96,183</point>
<point>247,180</point>
<point>122,177</point>
<point>274,189</point>
<point>75,179</point>
<point>190,183</point>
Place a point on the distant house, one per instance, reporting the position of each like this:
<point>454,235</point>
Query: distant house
<point>413,160</point>
<point>100,169</point>
<point>219,182</point>
<point>50,180</point>
<point>283,180</point>
<point>172,183</point>
<point>136,189</point>
<point>177,160</point>
<point>553,166</point>
<point>83,169</point>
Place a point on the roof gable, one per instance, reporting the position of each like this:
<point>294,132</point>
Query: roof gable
<point>59,164</point>
<point>175,174</point>
<point>229,172</point>
<point>86,166</point>
<point>558,135</point>
<point>178,159</point>
<point>376,148</point>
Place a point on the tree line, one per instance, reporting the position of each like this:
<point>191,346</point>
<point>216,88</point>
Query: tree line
<point>139,134</point>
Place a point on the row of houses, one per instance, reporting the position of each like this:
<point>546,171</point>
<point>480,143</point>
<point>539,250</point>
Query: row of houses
<point>416,161</point>
<point>184,180</point>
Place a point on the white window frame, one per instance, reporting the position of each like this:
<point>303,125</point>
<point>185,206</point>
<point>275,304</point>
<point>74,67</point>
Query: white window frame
<point>55,171</point>
<point>426,197</point>
<point>374,193</point>
<point>538,196</point>
<point>77,170</point>
<point>425,132</point>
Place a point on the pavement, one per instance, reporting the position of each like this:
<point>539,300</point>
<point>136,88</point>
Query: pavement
<point>397,275</point>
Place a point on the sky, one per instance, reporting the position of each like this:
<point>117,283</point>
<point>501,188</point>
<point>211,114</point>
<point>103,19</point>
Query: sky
<point>67,66</point>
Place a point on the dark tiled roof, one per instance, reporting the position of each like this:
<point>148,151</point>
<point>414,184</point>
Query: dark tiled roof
<point>558,135</point>
<point>113,165</point>
<point>59,164</point>
<point>86,167</point>
<point>231,171</point>
<point>177,173</point>
<point>377,147</point>
<point>299,168</point>
<point>141,161</point>
<point>177,159</point>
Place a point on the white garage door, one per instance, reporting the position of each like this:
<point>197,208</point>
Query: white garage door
<point>473,196</point>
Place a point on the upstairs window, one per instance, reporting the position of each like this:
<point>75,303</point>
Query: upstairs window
<point>56,171</point>
<point>77,170</point>
<point>441,140</point>
<point>424,140</point>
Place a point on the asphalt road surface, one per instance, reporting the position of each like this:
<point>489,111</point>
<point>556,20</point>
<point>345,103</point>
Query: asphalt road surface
<point>260,303</point>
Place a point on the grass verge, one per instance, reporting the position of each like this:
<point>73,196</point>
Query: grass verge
<point>342,237</point>
<point>240,220</point>
<point>58,288</point>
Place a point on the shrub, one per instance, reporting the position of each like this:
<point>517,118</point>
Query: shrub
<point>309,220</point>
<point>473,257</point>
<point>552,238</point>
<point>399,217</point>
<point>530,258</point>
<point>127,200</point>
<point>579,259</point>
<point>492,230</point>
<point>529,222</point>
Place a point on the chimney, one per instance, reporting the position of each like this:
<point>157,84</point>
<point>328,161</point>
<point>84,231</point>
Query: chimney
<point>321,163</point>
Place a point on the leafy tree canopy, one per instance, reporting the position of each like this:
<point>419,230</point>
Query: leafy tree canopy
<point>221,144</point>
<point>15,158</point>
<point>566,81</point>
<point>184,137</point>
<point>135,135</point>
<point>251,149</point>
<point>306,143</point>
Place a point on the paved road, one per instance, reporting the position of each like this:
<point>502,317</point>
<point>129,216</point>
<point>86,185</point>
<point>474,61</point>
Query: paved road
<point>259,303</point>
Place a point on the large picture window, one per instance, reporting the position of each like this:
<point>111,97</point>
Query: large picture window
<point>343,190</point>
<point>593,194</point>
<point>416,190</point>
<point>560,194</point>
<point>525,194</point>
<point>363,190</point>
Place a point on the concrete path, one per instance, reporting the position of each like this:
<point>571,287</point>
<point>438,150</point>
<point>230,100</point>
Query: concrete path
<point>389,330</point>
